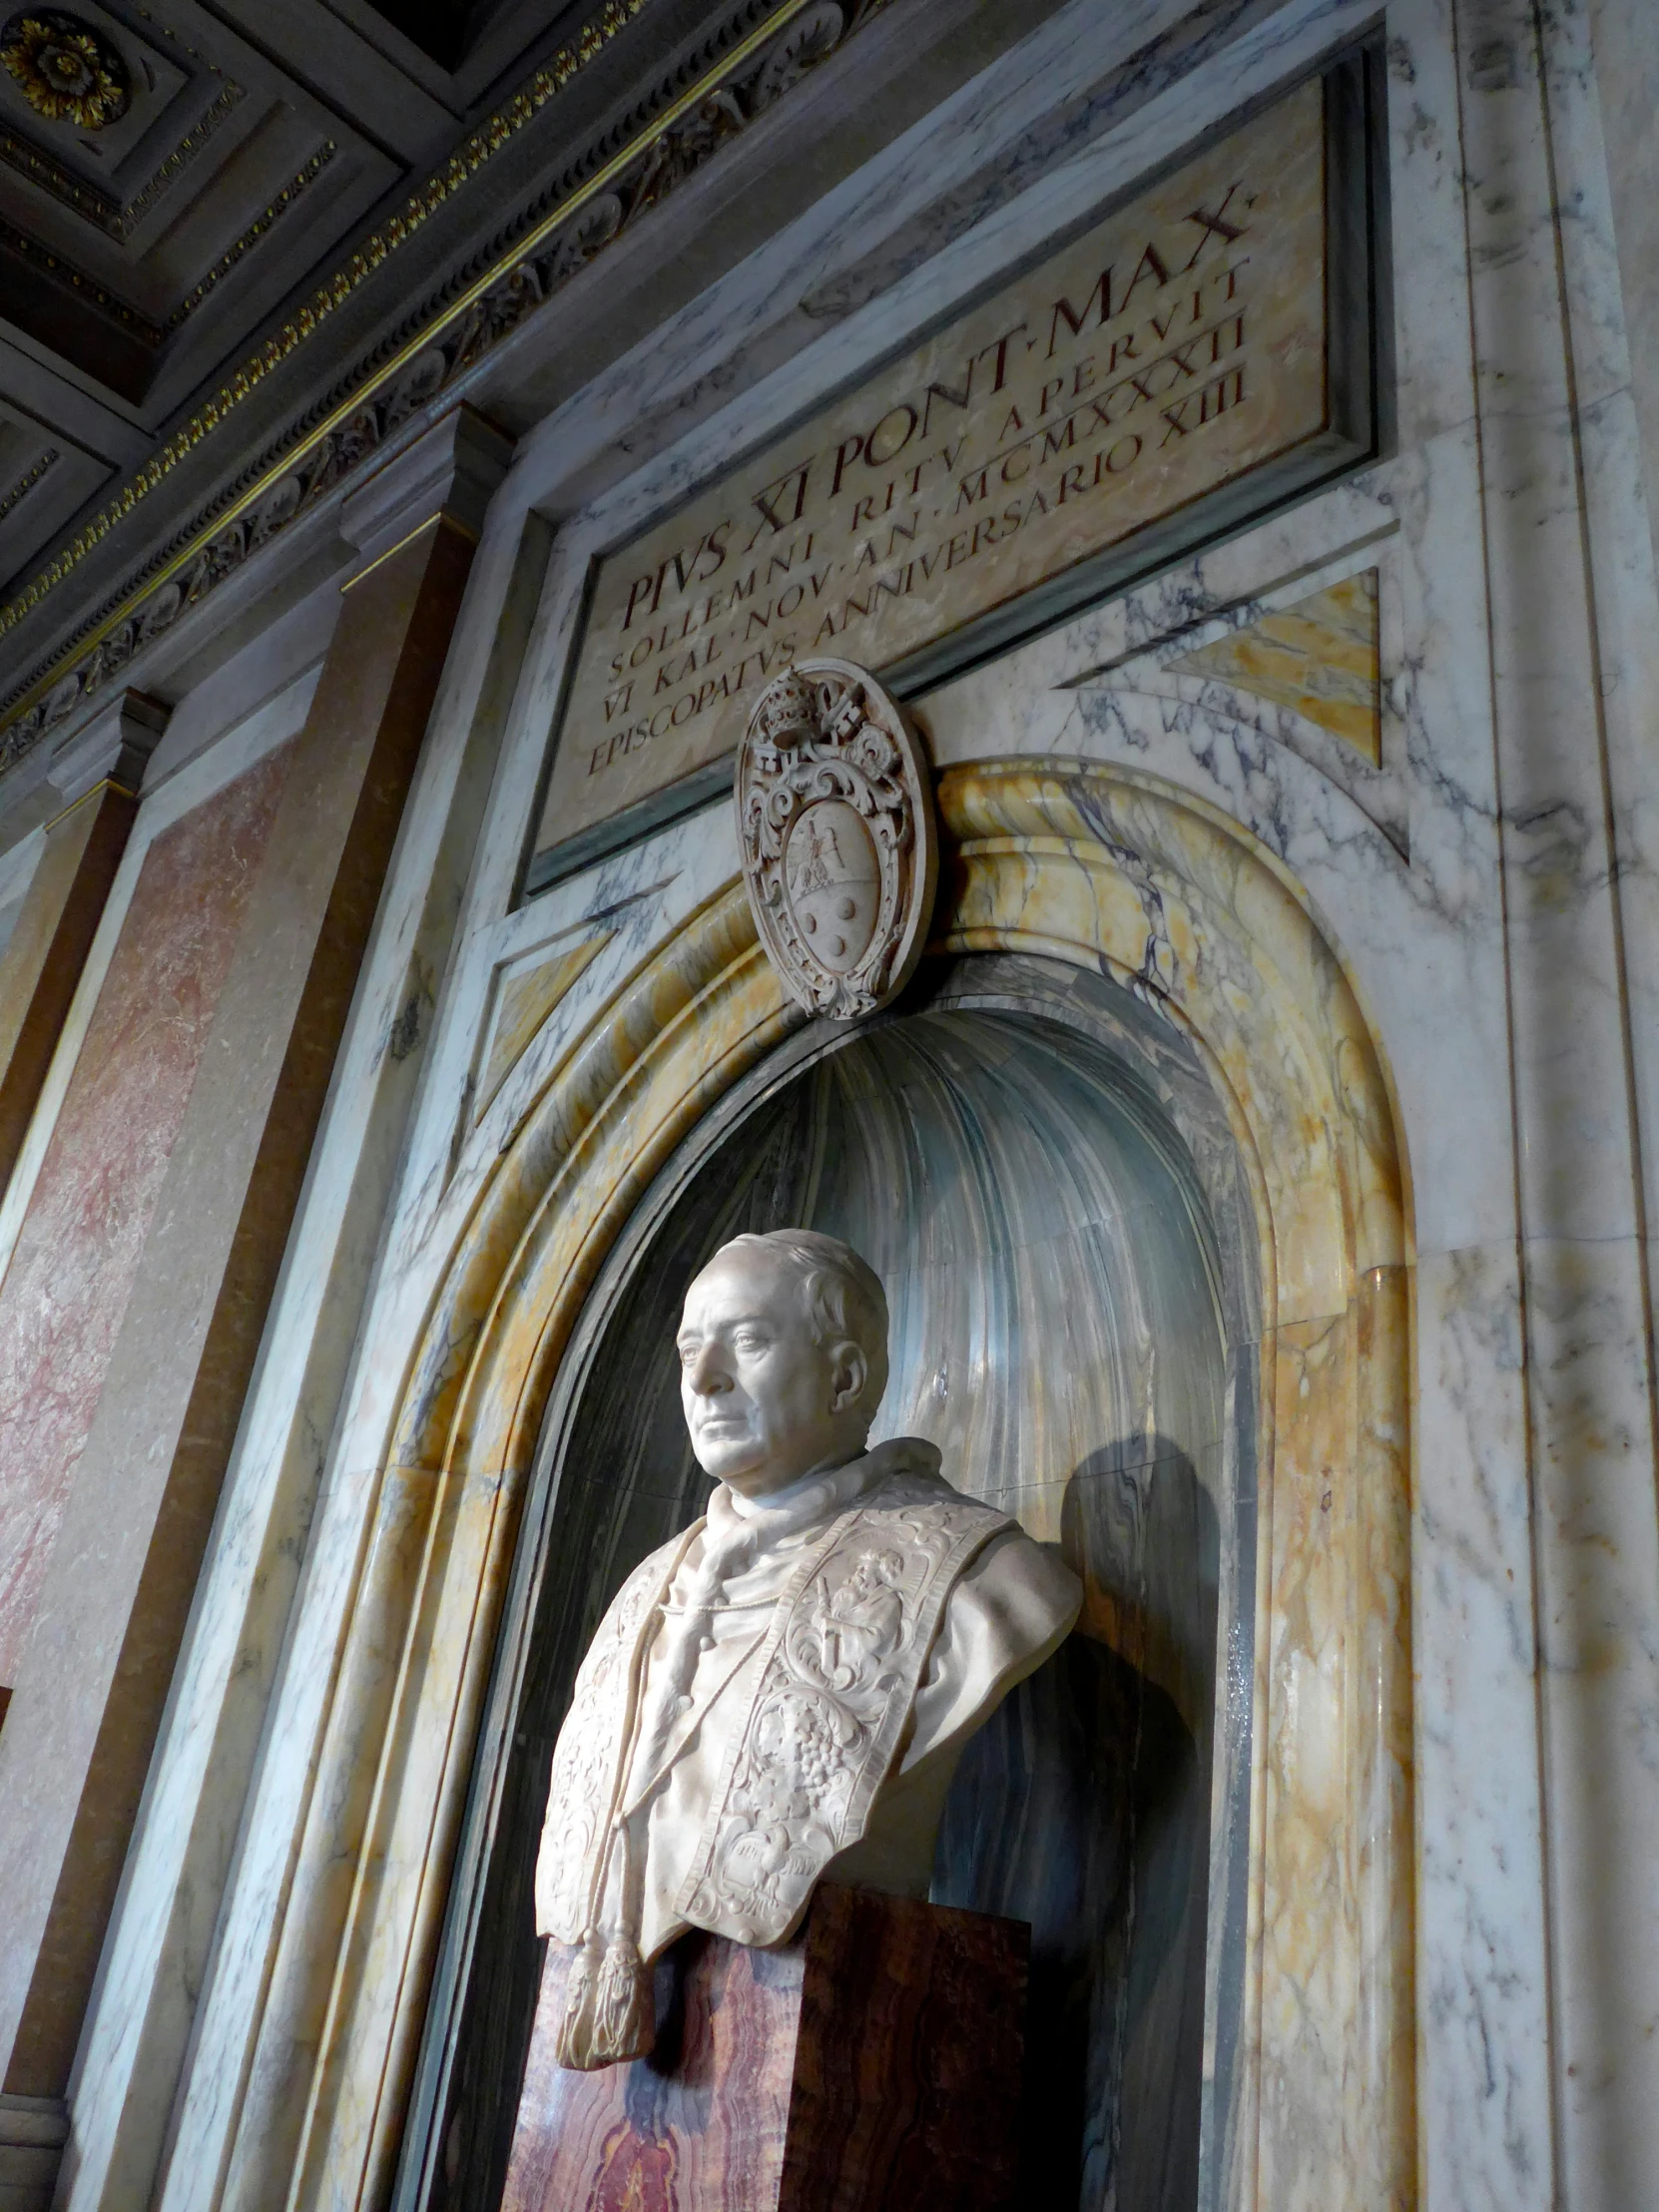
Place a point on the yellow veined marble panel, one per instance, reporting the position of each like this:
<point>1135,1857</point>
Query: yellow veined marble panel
<point>523,1003</point>
<point>1380,1777</point>
<point>1334,1690</point>
<point>1308,1915</point>
<point>1181,902</point>
<point>1319,655</point>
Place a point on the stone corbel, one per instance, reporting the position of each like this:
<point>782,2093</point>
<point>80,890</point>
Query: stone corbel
<point>112,748</point>
<point>451,475</point>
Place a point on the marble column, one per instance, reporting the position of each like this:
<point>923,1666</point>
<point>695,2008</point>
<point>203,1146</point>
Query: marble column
<point>1572,675</point>
<point>96,774</point>
<point>95,1668</point>
<point>1626,87</point>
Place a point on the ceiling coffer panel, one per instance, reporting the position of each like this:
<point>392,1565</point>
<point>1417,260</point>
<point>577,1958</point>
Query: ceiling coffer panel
<point>153,167</point>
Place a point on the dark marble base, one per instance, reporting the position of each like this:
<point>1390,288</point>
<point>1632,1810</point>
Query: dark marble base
<point>872,2064</point>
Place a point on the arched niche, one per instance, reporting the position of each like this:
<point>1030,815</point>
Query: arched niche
<point>1100,871</point>
<point>1039,1172</point>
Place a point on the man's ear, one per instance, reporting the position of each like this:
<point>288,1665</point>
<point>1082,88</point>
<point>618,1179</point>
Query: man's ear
<point>852,1374</point>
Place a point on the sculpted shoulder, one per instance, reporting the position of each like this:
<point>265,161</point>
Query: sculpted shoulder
<point>1013,1604</point>
<point>1011,1609</point>
<point>912,1478</point>
<point>1026,1599</point>
<point>1024,1594</point>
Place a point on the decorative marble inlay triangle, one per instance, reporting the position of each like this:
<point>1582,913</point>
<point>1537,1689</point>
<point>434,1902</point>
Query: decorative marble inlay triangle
<point>526,999</point>
<point>1317,656</point>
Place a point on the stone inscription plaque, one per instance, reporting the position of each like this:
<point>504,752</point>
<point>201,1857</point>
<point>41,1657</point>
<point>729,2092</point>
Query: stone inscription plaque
<point>1174,348</point>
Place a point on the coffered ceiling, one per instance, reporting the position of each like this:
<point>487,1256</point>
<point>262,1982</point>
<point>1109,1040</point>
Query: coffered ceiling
<point>171,173</point>
<point>250,248</point>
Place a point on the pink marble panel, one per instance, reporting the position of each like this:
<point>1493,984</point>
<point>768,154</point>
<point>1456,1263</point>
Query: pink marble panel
<point>82,1241</point>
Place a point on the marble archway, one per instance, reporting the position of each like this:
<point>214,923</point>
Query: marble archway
<point>1103,870</point>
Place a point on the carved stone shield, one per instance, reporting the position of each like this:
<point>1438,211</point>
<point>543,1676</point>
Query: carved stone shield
<point>839,850</point>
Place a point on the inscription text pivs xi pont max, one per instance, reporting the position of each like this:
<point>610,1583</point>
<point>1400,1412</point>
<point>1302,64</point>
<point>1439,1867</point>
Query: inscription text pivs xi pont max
<point>1170,351</point>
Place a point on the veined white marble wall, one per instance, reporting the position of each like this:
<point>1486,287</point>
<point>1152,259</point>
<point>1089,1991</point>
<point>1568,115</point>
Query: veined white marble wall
<point>1492,891</point>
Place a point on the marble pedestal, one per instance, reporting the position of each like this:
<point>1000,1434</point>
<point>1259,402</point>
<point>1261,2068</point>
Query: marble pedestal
<point>871,2063</point>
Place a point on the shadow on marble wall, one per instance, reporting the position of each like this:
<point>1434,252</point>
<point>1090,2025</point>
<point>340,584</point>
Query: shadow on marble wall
<point>1056,1279</point>
<point>1082,1808</point>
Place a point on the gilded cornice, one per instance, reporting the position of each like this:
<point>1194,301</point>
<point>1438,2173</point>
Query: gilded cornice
<point>308,462</point>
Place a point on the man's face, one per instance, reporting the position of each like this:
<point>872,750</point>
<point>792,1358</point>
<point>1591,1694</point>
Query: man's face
<point>765,1402</point>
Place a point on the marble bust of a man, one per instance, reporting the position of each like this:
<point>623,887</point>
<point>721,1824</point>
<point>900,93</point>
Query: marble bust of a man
<point>782,1693</point>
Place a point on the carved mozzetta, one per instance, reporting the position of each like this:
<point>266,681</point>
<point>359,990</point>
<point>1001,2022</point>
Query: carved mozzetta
<point>65,68</point>
<point>842,1661</point>
<point>839,850</point>
<point>846,1653</point>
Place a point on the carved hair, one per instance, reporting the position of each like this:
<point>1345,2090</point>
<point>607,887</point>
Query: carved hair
<point>842,1294</point>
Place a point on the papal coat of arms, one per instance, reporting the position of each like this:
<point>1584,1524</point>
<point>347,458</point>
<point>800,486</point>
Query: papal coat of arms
<point>835,823</point>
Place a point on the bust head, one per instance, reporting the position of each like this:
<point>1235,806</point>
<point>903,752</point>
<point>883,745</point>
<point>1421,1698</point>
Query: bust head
<point>782,1358</point>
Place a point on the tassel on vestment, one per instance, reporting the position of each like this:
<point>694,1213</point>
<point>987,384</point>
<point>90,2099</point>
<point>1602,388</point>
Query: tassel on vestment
<point>610,2005</point>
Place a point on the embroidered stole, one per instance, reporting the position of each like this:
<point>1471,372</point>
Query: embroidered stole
<point>839,1671</point>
